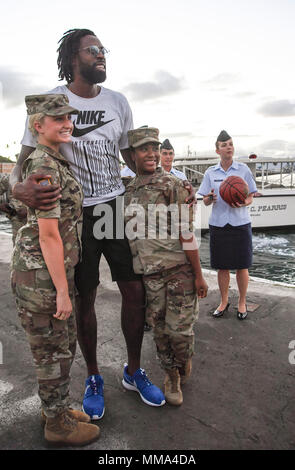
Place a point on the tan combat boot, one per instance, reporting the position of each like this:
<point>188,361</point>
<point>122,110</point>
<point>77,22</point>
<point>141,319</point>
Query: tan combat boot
<point>64,430</point>
<point>185,371</point>
<point>77,414</point>
<point>172,390</point>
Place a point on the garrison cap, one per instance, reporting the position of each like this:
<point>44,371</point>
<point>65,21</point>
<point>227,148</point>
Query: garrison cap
<point>49,104</point>
<point>143,135</point>
<point>166,145</point>
<point>223,137</point>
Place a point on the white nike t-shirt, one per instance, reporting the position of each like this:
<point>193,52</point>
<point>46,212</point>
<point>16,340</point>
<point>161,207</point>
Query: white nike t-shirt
<point>100,131</point>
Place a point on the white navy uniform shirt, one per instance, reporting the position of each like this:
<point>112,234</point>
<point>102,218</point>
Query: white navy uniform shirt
<point>222,213</point>
<point>178,174</point>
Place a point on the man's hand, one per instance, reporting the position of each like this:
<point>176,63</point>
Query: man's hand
<point>7,209</point>
<point>246,203</point>
<point>63,306</point>
<point>191,199</point>
<point>35,195</point>
<point>210,198</point>
<point>21,214</point>
<point>201,287</point>
<point>236,205</point>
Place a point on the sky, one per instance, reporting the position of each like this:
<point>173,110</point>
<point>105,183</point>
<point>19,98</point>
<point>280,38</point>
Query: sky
<point>189,68</point>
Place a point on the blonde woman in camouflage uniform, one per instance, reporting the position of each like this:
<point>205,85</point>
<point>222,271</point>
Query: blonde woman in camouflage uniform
<point>46,252</point>
<point>170,264</point>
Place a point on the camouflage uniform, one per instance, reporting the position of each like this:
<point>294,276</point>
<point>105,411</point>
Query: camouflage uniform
<point>52,341</point>
<point>172,304</point>
<point>16,221</point>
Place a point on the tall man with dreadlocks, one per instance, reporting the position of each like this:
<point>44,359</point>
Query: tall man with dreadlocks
<point>100,132</point>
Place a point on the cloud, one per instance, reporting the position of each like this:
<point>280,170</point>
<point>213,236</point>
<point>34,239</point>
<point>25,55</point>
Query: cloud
<point>278,108</point>
<point>14,85</point>
<point>164,84</point>
<point>177,135</point>
<point>246,135</point>
<point>275,148</point>
<point>274,144</point>
<point>290,126</point>
<point>222,79</point>
<point>221,88</point>
<point>243,94</point>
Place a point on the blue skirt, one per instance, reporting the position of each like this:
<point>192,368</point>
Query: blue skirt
<point>231,247</point>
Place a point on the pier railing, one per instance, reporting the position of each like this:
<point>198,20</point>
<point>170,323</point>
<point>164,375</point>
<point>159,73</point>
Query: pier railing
<point>263,174</point>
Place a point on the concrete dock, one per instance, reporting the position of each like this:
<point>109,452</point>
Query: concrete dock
<point>240,396</point>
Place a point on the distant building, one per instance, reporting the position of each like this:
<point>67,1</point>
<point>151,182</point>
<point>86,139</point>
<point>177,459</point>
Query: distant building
<point>6,167</point>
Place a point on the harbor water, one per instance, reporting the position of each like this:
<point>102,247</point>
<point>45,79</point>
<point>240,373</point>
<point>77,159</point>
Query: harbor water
<point>273,253</point>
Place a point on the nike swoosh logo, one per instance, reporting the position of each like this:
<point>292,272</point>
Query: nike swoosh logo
<point>85,130</point>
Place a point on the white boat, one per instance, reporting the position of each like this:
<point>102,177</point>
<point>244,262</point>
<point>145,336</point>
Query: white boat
<point>273,204</point>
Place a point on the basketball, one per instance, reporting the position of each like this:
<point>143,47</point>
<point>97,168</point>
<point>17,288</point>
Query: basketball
<point>234,189</point>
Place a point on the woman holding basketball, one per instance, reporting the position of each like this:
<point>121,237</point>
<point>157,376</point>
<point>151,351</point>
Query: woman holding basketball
<point>229,225</point>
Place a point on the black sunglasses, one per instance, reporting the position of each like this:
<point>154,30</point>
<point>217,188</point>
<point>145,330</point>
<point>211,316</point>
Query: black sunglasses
<point>95,50</point>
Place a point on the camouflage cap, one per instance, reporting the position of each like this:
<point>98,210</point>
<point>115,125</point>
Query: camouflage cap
<point>49,104</point>
<point>143,135</point>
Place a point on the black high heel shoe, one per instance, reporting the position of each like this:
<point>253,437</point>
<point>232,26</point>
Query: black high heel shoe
<point>219,313</point>
<point>242,316</point>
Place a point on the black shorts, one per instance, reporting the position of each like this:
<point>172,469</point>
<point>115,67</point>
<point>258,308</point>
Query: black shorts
<point>231,247</point>
<point>114,246</point>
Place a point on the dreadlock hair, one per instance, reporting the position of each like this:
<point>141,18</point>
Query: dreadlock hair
<point>68,47</point>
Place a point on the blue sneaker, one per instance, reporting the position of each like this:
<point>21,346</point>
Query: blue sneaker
<point>138,382</point>
<point>93,401</point>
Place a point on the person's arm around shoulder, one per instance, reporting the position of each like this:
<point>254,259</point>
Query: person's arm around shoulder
<point>29,191</point>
